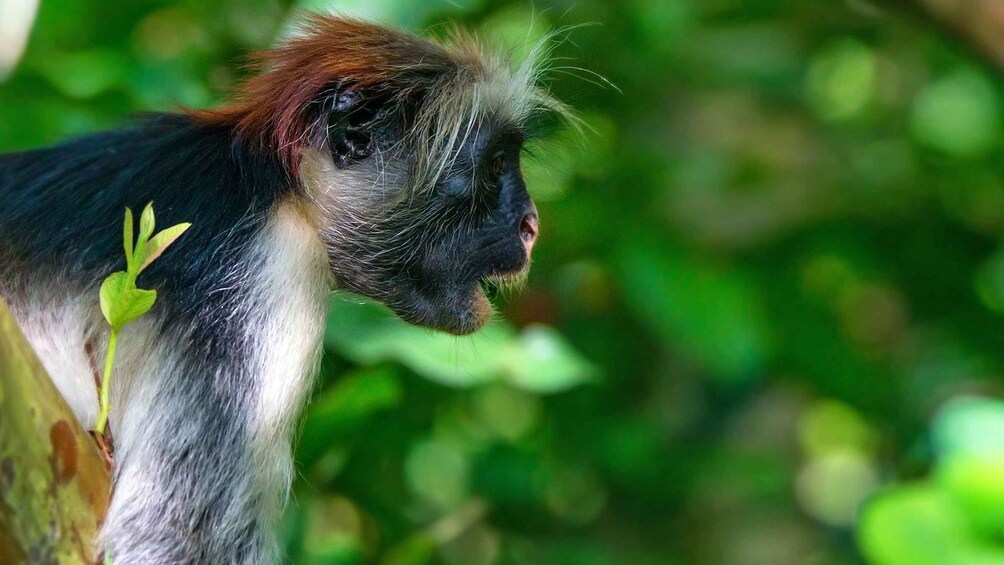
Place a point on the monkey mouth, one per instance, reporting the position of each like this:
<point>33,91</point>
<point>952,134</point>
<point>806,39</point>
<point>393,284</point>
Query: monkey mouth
<point>505,275</point>
<point>503,283</point>
<point>490,287</point>
<point>464,305</point>
<point>478,309</point>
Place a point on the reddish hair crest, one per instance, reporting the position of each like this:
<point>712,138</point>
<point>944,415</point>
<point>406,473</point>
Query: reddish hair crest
<point>273,107</point>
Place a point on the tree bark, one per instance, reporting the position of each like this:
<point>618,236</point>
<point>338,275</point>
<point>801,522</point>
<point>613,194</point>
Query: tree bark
<point>54,484</point>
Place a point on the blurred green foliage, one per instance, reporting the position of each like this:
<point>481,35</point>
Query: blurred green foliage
<point>763,312</point>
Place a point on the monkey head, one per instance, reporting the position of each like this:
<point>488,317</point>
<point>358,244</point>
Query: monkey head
<point>407,152</point>
<point>425,242</point>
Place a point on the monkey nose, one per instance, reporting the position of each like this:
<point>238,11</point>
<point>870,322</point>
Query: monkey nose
<point>529,227</point>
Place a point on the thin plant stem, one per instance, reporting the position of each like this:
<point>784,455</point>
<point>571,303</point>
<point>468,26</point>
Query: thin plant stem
<point>106,380</point>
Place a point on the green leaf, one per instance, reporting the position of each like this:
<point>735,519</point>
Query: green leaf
<point>127,236</point>
<point>969,426</point>
<point>542,362</point>
<point>153,249</point>
<point>111,289</point>
<point>920,525</point>
<point>974,482</point>
<point>368,333</point>
<point>959,114</point>
<point>122,302</point>
<point>146,226</point>
<point>134,303</point>
<point>537,360</point>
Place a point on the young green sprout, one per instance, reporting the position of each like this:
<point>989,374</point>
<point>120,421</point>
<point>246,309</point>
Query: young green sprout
<point>121,301</point>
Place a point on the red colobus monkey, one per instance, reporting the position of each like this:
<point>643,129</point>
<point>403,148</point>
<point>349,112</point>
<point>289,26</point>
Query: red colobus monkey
<point>360,158</point>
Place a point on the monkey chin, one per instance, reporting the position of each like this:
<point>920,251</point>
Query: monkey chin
<point>457,307</point>
<point>464,314</point>
<point>481,312</point>
<point>459,310</point>
<point>474,310</point>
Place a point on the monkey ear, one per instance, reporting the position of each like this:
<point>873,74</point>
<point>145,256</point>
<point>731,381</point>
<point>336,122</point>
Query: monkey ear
<point>354,114</point>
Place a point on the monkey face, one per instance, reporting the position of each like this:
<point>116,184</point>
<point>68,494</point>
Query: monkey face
<point>481,228</point>
<point>428,252</point>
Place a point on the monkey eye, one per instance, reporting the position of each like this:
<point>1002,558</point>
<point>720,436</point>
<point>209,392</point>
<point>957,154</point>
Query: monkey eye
<point>498,163</point>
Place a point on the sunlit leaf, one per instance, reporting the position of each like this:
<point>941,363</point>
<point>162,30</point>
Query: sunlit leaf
<point>970,426</point>
<point>111,289</point>
<point>541,361</point>
<point>920,525</point>
<point>147,224</point>
<point>122,302</point>
<point>538,360</point>
<point>974,483</point>
<point>160,242</point>
<point>842,79</point>
<point>127,237</point>
<point>369,334</point>
<point>85,73</point>
<point>959,114</point>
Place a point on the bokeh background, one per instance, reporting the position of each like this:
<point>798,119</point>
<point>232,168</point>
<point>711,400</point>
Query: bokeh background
<point>764,322</point>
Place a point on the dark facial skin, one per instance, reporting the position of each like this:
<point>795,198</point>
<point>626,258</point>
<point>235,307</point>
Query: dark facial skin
<point>487,224</point>
<point>429,257</point>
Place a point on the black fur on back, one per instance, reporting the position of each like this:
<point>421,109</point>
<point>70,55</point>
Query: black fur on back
<point>61,208</point>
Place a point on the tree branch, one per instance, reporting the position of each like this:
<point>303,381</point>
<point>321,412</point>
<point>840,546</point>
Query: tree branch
<point>54,485</point>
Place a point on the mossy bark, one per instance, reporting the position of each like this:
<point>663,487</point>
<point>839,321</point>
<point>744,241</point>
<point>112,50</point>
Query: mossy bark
<point>54,484</point>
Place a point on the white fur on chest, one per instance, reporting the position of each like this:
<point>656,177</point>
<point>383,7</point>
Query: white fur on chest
<point>288,325</point>
<point>286,333</point>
